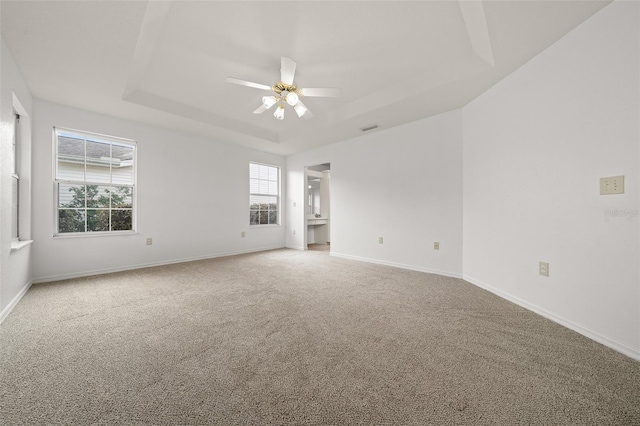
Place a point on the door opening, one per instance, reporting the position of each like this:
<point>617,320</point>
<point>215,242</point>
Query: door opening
<point>318,207</point>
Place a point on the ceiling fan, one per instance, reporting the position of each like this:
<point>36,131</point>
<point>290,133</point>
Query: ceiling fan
<point>286,92</point>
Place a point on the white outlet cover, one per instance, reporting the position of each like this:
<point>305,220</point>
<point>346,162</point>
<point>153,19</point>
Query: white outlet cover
<point>543,269</point>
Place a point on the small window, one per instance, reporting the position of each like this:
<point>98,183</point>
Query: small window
<point>264,194</point>
<point>15,181</point>
<point>94,183</point>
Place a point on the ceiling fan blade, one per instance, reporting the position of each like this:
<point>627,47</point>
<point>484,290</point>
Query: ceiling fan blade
<point>260,109</point>
<point>287,70</point>
<point>248,83</point>
<point>302,110</point>
<point>326,92</point>
<point>307,115</point>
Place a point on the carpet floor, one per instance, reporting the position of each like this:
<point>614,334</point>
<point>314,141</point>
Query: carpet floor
<point>298,337</point>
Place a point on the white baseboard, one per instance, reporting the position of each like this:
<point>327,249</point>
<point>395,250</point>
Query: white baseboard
<point>5,312</point>
<point>611,343</point>
<point>398,265</point>
<point>148,265</point>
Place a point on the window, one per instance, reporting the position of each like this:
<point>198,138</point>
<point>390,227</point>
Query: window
<point>15,181</point>
<point>94,183</point>
<point>264,194</point>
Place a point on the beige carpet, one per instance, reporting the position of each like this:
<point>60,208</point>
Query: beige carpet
<point>292,337</point>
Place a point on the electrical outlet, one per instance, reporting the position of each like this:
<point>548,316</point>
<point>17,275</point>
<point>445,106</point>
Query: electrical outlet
<point>380,240</point>
<point>242,234</point>
<point>612,185</point>
<point>436,246</point>
<point>149,241</point>
<point>543,268</point>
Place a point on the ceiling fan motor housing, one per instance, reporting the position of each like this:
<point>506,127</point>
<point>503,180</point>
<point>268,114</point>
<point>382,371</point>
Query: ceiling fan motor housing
<point>284,87</point>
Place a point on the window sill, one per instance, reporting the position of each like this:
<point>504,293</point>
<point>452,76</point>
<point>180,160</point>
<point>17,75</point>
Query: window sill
<point>93,234</point>
<point>18,244</point>
<point>264,226</point>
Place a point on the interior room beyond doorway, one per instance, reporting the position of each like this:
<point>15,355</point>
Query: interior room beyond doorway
<point>318,195</point>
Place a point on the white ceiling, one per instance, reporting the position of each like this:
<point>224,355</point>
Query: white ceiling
<point>165,63</point>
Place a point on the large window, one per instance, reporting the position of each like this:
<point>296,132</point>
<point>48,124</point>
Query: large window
<point>94,183</point>
<point>264,194</point>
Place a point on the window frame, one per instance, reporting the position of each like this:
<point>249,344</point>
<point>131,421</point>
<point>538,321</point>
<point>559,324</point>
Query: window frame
<point>101,138</point>
<point>258,194</point>
<point>15,176</point>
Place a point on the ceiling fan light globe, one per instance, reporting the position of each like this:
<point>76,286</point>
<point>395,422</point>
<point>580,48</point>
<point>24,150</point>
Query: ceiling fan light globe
<point>269,101</point>
<point>300,109</point>
<point>279,113</point>
<point>292,98</point>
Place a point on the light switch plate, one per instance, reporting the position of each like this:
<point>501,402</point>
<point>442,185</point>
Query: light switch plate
<point>436,246</point>
<point>612,185</point>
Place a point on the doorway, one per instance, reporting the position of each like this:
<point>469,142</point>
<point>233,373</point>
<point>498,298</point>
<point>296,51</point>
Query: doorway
<point>318,207</point>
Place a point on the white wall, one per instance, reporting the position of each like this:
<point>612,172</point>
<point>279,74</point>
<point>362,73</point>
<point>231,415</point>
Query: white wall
<point>535,146</point>
<point>15,266</point>
<point>191,195</point>
<point>403,184</point>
